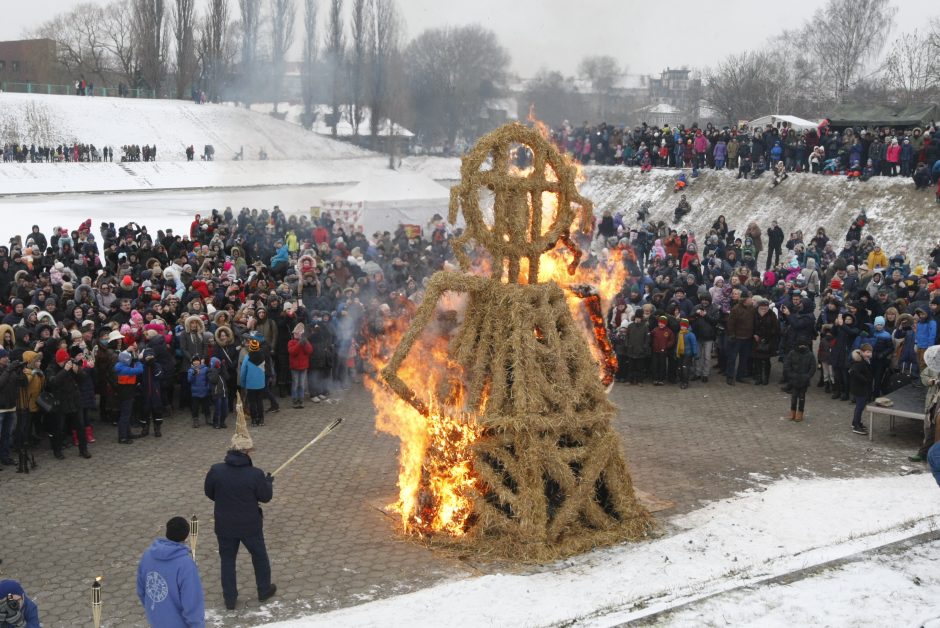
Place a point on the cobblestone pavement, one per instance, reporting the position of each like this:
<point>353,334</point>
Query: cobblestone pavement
<point>330,544</point>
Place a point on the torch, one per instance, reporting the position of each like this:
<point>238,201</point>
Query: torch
<point>96,602</point>
<point>326,430</point>
<point>193,534</point>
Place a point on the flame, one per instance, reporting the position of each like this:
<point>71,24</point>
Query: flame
<point>436,478</point>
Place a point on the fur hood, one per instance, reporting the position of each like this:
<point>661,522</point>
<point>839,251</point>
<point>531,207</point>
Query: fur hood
<point>231,336</point>
<point>189,320</point>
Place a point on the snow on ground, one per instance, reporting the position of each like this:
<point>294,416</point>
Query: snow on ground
<point>890,589</point>
<point>156,210</point>
<point>170,124</point>
<point>898,214</point>
<point>739,542</point>
<point>112,177</point>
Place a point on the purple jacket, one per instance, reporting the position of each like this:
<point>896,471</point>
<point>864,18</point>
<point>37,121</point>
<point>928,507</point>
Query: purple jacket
<point>721,151</point>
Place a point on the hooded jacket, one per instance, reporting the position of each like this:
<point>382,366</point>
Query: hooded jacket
<point>169,587</point>
<point>30,610</point>
<point>860,376</point>
<point>237,487</point>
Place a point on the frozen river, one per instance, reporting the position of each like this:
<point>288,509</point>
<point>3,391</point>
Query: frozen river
<point>156,210</point>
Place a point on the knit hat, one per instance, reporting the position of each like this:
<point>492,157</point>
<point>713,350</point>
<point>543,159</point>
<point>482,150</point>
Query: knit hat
<point>29,356</point>
<point>241,440</point>
<point>836,283</point>
<point>684,323</point>
<point>177,529</point>
<point>879,321</point>
<point>61,356</point>
<point>662,319</point>
<point>126,281</point>
<point>13,587</point>
<point>123,357</point>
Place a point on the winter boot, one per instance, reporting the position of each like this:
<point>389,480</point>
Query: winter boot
<point>799,416</point>
<point>145,429</point>
<point>828,387</point>
<point>821,382</point>
<point>156,429</point>
<point>836,393</point>
<point>792,415</point>
<point>90,434</point>
<point>74,437</point>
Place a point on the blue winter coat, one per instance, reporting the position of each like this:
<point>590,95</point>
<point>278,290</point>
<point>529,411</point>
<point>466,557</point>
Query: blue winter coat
<point>926,333</point>
<point>237,488</point>
<point>199,382</point>
<point>168,586</point>
<point>251,376</point>
<point>282,255</point>
<point>690,343</point>
<point>30,610</point>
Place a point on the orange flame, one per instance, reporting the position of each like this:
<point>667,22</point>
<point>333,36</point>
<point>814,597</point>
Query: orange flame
<point>436,479</point>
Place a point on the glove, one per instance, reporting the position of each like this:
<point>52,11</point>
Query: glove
<point>269,477</point>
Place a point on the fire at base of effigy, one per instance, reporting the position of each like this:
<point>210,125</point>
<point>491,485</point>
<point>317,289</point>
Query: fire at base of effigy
<point>499,403</point>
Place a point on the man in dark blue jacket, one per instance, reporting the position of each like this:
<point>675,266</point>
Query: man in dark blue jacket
<point>168,582</point>
<point>237,487</point>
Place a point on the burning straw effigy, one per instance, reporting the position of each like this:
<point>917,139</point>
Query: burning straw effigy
<point>512,452</point>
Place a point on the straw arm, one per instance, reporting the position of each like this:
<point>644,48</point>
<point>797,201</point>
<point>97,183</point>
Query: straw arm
<point>329,428</point>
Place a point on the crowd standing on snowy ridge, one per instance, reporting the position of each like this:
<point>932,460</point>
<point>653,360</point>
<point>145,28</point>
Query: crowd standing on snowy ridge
<point>21,153</point>
<point>858,153</point>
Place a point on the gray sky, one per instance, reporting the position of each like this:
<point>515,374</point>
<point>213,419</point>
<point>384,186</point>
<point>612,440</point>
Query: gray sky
<point>643,36</point>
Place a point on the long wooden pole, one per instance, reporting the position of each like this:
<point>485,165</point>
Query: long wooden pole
<point>326,430</point>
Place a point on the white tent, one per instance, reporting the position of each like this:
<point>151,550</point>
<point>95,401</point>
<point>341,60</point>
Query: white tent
<point>778,120</point>
<point>388,199</point>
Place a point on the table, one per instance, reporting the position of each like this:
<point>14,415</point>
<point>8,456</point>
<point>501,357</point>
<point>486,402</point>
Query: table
<point>908,403</point>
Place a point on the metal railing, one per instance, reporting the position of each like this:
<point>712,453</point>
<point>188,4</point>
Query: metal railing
<point>69,90</point>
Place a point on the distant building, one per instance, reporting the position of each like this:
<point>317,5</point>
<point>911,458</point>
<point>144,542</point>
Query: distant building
<point>662,114</point>
<point>29,61</point>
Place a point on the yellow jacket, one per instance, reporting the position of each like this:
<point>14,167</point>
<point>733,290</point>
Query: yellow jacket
<point>292,245</point>
<point>877,259</point>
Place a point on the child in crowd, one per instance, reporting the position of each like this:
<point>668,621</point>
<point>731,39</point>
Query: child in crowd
<point>219,393</point>
<point>198,376</point>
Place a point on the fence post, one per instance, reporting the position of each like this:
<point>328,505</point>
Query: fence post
<point>29,88</point>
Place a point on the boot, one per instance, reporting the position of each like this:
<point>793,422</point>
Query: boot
<point>792,415</point>
<point>145,430</point>
<point>836,393</point>
<point>156,428</point>
<point>828,387</point>
<point>799,416</point>
<point>74,437</point>
<point>89,434</point>
<point>821,382</point>
<point>83,452</point>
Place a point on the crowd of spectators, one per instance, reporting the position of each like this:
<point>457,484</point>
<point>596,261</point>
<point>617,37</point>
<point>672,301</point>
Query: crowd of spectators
<point>862,153</point>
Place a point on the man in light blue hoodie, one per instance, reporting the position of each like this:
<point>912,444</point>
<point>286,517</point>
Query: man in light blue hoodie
<point>168,582</point>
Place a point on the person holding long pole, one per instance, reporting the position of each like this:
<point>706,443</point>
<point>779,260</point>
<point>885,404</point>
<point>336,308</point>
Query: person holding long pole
<point>237,487</point>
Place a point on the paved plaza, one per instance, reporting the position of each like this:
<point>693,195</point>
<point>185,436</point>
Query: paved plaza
<point>330,544</point>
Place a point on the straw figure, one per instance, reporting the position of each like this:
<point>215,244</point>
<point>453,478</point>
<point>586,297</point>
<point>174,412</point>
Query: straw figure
<point>551,479</point>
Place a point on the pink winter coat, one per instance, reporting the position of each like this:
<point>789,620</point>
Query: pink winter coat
<point>893,154</point>
<point>700,144</point>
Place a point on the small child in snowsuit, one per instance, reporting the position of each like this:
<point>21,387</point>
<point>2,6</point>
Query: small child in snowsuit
<point>686,352</point>
<point>219,392</point>
<point>799,366</point>
<point>198,377</point>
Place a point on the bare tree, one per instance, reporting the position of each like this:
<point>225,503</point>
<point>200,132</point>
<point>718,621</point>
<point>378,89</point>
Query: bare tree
<point>451,73</point>
<point>908,67</point>
<point>359,26</point>
<point>215,53</point>
<point>184,25</point>
<point>601,70</point>
<point>151,34</point>
<point>283,13</point>
<point>385,62</point>
<point>308,71</point>
<point>119,40</point>
<point>250,27</point>
<point>747,85</point>
<point>80,41</point>
<point>844,37</point>
<point>335,55</point>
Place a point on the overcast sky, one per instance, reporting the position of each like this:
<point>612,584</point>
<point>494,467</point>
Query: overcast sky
<point>645,37</point>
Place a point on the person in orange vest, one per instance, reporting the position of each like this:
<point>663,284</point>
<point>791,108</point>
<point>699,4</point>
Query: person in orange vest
<point>127,370</point>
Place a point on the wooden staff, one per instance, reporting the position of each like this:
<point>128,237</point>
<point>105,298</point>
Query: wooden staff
<point>96,602</point>
<point>326,430</point>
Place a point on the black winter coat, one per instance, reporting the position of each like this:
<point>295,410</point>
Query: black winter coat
<point>860,376</point>
<point>63,385</point>
<point>799,367</point>
<point>237,488</point>
<point>768,329</point>
<point>9,388</point>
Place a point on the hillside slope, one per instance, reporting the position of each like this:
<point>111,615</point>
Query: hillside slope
<point>170,124</point>
<point>898,215</point>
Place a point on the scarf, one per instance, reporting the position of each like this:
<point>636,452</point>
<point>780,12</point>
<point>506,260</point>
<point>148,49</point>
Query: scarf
<point>680,342</point>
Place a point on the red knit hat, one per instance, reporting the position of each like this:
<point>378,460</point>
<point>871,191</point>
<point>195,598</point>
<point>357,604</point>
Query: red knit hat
<point>836,283</point>
<point>127,281</point>
<point>61,356</point>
